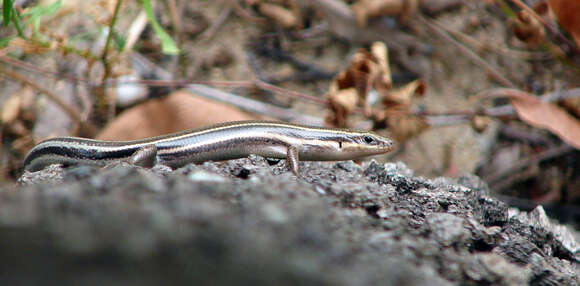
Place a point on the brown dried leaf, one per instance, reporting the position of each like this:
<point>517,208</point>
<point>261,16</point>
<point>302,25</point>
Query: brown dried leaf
<point>365,9</point>
<point>366,70</point>
<point>342,103</point>
<point>383,83</point>
<point>402,97</point>
<point>284,17</point>
<point>404,127</point>
<point>23,144</point>
<point>18,128</point>
<point>10,109</point>
<point>572,104</point>
<point>568,12</point>
<point>178,111</point>
<point>17,110</point>
<point>546,115</point>
<point>528,29</point>
<point>27,104</point>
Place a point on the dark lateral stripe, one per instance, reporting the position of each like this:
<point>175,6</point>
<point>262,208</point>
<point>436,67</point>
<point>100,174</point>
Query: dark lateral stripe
<point>80,153</point>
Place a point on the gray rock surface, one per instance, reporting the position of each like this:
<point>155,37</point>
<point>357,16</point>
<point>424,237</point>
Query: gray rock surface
<point>251,222</point>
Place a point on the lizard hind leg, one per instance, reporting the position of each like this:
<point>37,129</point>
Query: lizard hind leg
<point>292,159</point>
<point>145,156</point>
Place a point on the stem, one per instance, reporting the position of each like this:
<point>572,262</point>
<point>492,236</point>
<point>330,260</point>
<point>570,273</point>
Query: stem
<point>17,23</point>
<point>108,42</point>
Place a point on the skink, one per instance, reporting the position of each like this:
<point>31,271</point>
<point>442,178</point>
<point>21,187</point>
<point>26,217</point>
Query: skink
<point>216,143</point>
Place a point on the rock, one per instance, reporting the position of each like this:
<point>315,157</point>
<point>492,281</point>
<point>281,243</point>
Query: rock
<point>250,221</point>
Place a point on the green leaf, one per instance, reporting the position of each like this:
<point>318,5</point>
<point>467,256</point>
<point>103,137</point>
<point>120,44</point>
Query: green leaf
<point>6,9</point>
<point>37,12</point>
<point>168,46</point>
<point>119,40</point>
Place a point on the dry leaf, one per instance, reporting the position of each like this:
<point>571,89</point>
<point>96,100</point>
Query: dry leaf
<point>383,82</point>
<point>405,127</point>
<point>365,9</point>
<point>10,109</point>
<point>528,29</point>
<point>546,115</point>
<point>396,111</point>
<point>366,70</point>
<point>401,98</point>
<point>572,104</point>
<point>342,102</point>
<point>568,13</point>
<point>178,111</point>
<point>284,17</point>
<point>17,110</point>
<point>27,104</point>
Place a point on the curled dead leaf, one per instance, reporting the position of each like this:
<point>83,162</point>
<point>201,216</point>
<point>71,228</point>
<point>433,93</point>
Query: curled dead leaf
<point>367,69</point>
<point>365,9</point>
<point>383,82</point>
<point>402,97</point>
<point>285,17</point>
<point>17,111</point>
<point>342,102</point>
<point>543,115</point>
<point>528,29</point>
<point>10,109</point>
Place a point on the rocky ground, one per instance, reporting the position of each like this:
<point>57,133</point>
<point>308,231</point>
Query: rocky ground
<point>251,222</point>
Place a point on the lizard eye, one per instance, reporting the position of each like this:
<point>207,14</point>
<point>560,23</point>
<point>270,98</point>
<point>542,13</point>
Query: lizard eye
<point>368,139</point>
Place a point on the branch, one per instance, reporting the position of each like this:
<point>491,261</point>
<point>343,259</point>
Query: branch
<point>71,112</point>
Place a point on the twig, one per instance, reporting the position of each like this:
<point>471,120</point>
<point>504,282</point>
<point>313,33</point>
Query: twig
<point>472,55</point>
<point>524,135</point>
<point>210,32</point>
<point>301,76</point>
<point>509,110</point>
<point>100,90</point>
<point>175,17</point>
<point>36,69</point>
<point>535,159</point>
<point>254,106</point>
<point>254,66</point>
<point>243,13</point>
<point>71,112</point>
<point>525,55</point>
<point>267,86</point>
